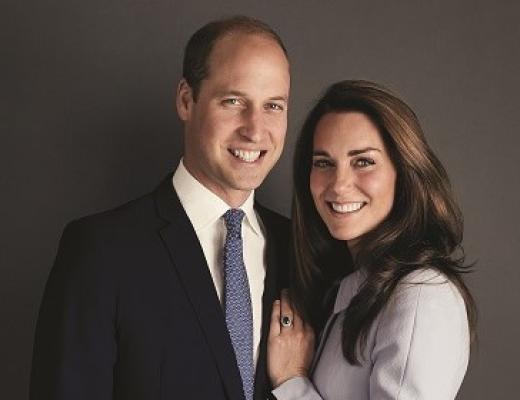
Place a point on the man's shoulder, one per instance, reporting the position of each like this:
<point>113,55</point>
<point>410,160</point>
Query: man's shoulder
<point>127,219</point>
<point>270,216</point>
<point>129,213</point>
<point>276,225</point>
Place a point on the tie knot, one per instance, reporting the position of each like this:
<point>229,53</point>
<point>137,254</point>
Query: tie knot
<point>233,218</point>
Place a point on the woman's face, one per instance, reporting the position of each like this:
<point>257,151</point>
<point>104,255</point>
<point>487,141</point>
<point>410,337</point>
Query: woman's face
<point>352,178</point>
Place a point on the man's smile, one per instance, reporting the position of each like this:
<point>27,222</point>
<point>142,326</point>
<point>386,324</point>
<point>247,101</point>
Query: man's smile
<point>249,156</point>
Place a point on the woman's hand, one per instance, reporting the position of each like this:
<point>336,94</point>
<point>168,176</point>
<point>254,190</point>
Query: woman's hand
<point>290,345</point>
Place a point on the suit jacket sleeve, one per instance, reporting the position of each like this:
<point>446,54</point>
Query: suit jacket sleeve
<point>75,341</point>
<point>297,388</point>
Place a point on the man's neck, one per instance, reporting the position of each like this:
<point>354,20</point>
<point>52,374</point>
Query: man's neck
<point>234,198</point>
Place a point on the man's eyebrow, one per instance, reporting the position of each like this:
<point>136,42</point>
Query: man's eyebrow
<point>278,98</point>
<point>238,93</point>
<point>231,93</point>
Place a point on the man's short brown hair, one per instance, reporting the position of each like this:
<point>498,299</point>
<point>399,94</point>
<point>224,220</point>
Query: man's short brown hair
<point>195,66</point>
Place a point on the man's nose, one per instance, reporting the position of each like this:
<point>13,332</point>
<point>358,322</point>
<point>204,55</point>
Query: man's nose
<point>252,124</point>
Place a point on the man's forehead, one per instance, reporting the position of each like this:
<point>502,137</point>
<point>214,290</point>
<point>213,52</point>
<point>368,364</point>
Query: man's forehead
<point>245,45</point>
<point>238,37</point>
<point>248,65</point>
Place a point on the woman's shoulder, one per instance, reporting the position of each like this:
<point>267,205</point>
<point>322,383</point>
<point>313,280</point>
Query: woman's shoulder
<point>425,288</point>
<point>425,275</point>
<point>421,338</point>
<point>427,291</point>
<point>427,282</point>
<point>423,328</point>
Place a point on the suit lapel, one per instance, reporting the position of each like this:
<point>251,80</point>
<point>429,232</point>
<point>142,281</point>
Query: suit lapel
<point>191,267</point>
<point>323,339</point>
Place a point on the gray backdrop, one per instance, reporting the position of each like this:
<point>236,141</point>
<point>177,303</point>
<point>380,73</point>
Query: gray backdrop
<point>87,122</point>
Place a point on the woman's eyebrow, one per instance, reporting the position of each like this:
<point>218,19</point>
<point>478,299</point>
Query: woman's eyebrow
<point>360,151</point>
<point>351,153</point>
<point>320,153</point>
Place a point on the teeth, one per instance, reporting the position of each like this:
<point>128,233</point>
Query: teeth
<point>247,156</point>
<point>346,207</point>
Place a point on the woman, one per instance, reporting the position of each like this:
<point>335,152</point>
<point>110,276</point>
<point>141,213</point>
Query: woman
<point>373,206</point>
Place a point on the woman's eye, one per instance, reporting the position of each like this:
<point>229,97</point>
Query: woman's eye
<point>321,163</point>
<point>363,162</point>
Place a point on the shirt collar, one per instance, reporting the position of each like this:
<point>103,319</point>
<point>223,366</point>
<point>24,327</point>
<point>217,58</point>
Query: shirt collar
<point>204,207</point>
<point>250,214</point>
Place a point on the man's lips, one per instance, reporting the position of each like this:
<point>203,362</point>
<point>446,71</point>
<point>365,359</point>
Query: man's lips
<point>249,156</point>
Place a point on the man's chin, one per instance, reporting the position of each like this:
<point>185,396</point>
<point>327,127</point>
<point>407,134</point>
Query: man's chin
<point>240,180</point>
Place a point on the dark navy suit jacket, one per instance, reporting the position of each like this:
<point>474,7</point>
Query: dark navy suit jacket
<point>130,310</point>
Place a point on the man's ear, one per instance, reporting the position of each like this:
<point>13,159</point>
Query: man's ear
<point>184,100</point>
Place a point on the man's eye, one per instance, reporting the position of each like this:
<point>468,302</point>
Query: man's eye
<point>321,163</point>
<point>233,101</point>
<point>274,107</point>
<point>363,162</point>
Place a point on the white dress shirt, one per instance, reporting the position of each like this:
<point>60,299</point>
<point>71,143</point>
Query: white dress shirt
<point>205,211</point>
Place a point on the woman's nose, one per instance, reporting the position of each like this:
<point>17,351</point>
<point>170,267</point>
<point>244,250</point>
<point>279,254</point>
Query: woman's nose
<point>342,180</point>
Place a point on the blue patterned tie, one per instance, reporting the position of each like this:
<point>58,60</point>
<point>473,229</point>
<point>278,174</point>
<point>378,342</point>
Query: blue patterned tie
<point>237,300</point>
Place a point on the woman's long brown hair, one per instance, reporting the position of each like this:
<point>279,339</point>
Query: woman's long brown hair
<point>423,230</point>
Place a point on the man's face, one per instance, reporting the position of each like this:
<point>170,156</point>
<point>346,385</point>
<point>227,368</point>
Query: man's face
<point>234,132</point>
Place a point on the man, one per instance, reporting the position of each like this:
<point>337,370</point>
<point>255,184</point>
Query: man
<point>169,296</point>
